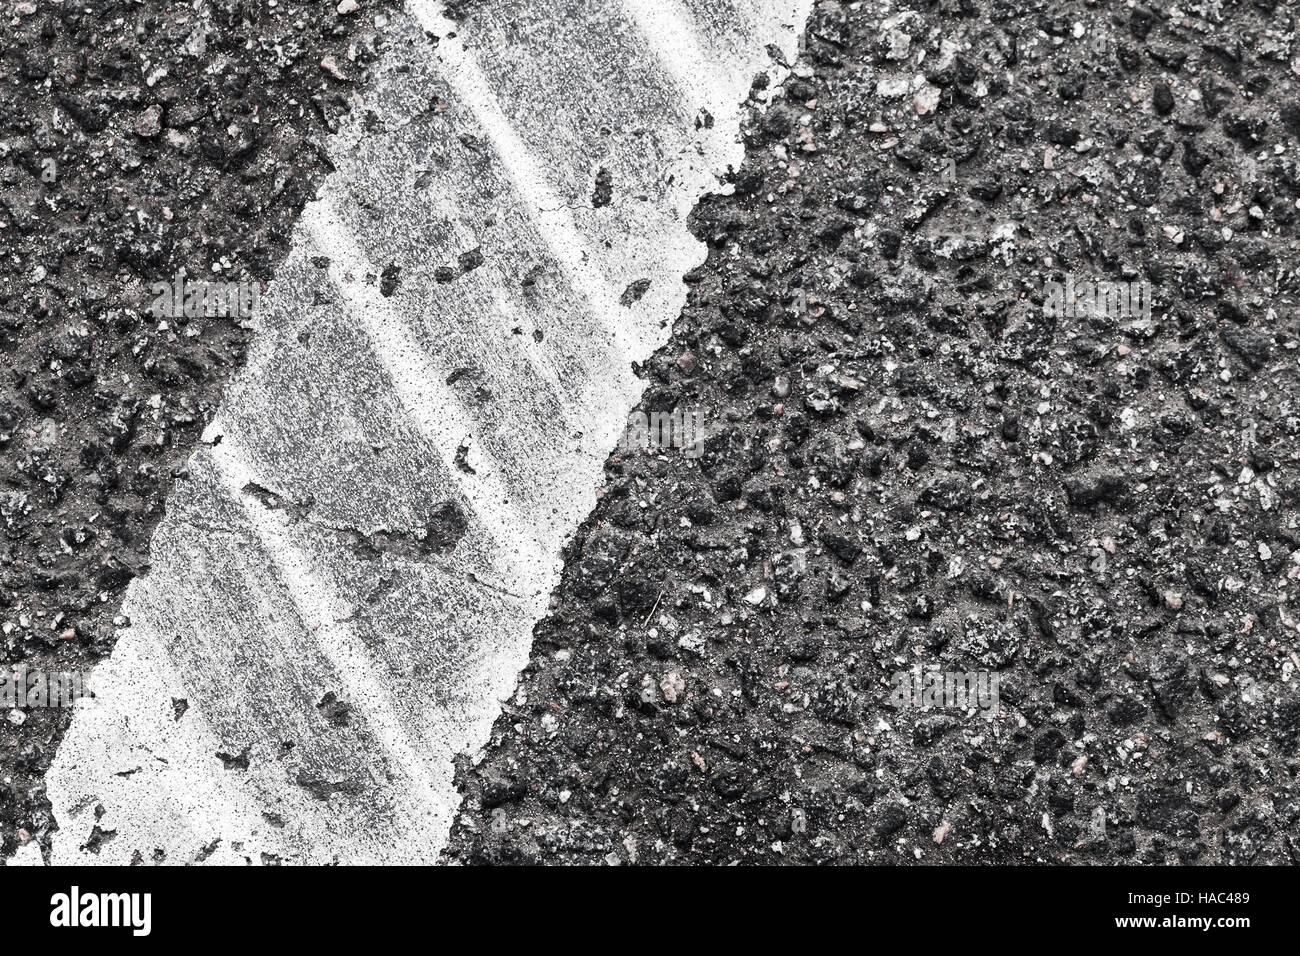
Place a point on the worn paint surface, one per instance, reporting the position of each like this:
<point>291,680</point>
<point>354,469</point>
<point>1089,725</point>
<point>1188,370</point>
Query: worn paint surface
<point>345,586</point>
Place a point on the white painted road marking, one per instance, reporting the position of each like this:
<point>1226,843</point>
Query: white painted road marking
<point>300,670</point>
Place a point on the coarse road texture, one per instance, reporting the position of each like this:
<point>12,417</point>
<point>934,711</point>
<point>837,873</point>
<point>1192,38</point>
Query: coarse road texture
<point>346,581</point>
<point>137,137</point>
<point>916,465</point>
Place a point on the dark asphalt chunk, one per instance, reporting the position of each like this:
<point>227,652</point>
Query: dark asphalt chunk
<point>1101,506</point>
<point>602,193</point>
<point>112,178</point>
<point>634,292</point>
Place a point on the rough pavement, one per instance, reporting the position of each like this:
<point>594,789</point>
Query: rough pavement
<point>918,465</point>
<point>919,462</point>
<point>135,139</point>
<point>345,583</point>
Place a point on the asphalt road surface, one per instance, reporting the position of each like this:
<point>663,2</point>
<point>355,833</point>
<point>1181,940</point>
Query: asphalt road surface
<point>955,523</point>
